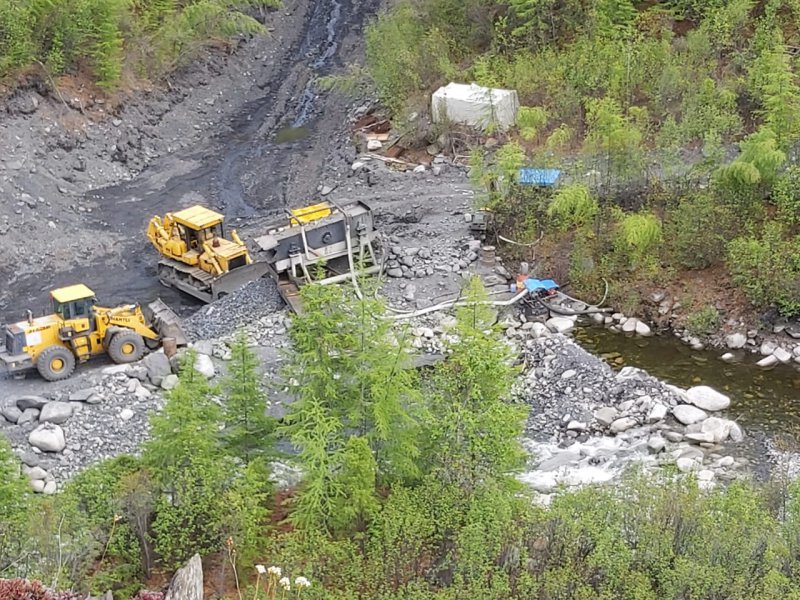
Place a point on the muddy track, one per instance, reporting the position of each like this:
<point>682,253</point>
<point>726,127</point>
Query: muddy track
<point>242,168</point>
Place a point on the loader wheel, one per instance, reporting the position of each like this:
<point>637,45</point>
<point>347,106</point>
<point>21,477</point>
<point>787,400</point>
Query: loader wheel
<point>126,347</point>
<point>55,363</point>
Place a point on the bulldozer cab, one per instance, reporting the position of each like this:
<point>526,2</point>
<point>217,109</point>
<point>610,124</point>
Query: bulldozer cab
<point>75,303</point>
<point>198,225</point>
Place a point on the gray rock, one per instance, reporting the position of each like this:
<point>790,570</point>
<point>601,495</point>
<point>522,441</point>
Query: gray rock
<point>767,348</point>
<point>736,434</point>
<point>657,413</point>
<point>169,382</point>
<point>768,361</point>
<point>396,273</point>
<point>29,415</point>
<point>623,424</point>
<point>700,438</point>
<point>204,365</point>
<point>37,485</point>
<point>688,414</point>
<point>11,413</point>
<point>560,324</point>
<point>642,329</point>
<point>707,398</point>
<point>782,355</point>
<point>686,464</point>
<point>48,437</point>
<point>25,402</point>
<point>81,395</point>
<point>719,429</point>
<point>56,412</point>
<point>36,473</point>
<point>629,326</point>
<point>673,436</point>
<point>50,487</point>
<point>606,415</point>
<point>158,366</point>
<point>656,444</point>
<point>727,357</point>
<point>126,414</point>
<point>736,340</point>
<point>576,426</point>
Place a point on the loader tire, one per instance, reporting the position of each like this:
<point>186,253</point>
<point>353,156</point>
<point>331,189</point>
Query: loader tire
<point>55,363</point>
<point>126,347</point>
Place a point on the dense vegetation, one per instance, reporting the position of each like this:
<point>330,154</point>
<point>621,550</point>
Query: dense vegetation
<point>408,490</point>
<point>112,37</point>
<point>642,105</point>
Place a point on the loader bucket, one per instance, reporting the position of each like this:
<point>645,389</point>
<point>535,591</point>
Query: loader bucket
<point>237,278</point>
<point>164,320</point>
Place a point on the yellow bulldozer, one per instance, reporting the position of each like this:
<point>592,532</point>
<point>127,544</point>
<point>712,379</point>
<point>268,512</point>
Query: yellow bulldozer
<point>196,258</point>
<point>78,330</point>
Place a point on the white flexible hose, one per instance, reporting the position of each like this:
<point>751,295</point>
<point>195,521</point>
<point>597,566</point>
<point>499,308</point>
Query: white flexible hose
<point>454,303</point>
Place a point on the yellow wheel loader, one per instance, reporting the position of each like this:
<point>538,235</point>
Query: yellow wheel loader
<point>195,256</point>
<point>78,330</point>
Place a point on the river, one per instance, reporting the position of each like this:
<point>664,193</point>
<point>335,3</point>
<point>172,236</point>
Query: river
<point>765,401</point>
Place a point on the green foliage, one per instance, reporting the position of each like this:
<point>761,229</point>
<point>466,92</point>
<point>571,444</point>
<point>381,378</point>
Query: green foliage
<point>14,503</point>
<point>786,196</point>
<point>703,322</point>
<point>473,432</point>
<point>767,268</point>
<point>573,206</point>
<point>190,469</point>
<point>639,238</point>
<point>111,35</point>
<point>248,430</point>
<point>531,120</point>
<point>697,231</point>
<point>353,386</point>
<point>614,136</point>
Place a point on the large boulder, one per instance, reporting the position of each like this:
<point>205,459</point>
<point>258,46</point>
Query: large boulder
<point>56,412</point>
<point>37,402</point>
<point>29,415</point>
<point>623,424</point>
<point>606,415</point>
<point>158,367</point>
<point>204,365</point>
<point>11,413</point>
<point>707,398</point>
<point>720,429</point>
<point>688,414</point>
<point>560,324</point>
<point>736,340</point>
<point>48,437</point>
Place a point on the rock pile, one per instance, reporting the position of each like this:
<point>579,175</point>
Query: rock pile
<point>253,302</point>
<point>415,262</point>
<point>58,435</point>
<point>587,422</point>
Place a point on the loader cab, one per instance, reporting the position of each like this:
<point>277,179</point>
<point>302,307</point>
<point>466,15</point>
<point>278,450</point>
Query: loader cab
<point>74,306</point>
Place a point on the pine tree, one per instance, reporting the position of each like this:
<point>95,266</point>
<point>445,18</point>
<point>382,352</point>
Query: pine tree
<point>473,433</point>
<point>354,417</point>
<point>248,430</point>
<point>190,469</point>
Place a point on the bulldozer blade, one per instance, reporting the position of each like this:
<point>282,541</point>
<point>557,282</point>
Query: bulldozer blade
<point>237,278</point>
<point>164,320</point>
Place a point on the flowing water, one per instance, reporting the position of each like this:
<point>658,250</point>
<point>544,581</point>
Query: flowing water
<point>762,400</point>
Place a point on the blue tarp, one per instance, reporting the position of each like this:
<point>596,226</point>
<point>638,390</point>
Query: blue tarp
<point>535,285</point>
<point>540,177</point>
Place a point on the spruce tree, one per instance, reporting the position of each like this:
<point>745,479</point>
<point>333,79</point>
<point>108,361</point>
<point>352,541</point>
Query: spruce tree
<point>248,430</point>
<point>354,417</point>
<point>473,433</point>
<point>190,469</point>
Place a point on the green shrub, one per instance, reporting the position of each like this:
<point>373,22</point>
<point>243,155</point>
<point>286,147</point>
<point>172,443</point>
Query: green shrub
<point>703,322</point>
<point>786,196</point>
<point>637,240</point>
<point>573,206</point>
<point>697,231</point>
<point>767,268</point>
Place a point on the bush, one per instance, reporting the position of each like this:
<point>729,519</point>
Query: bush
<point>637,240</point>
<point>573,206</point>
<point>697,231</point>
<point>786,196</point>
<point>703,322</point>
<point>767,268</point>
